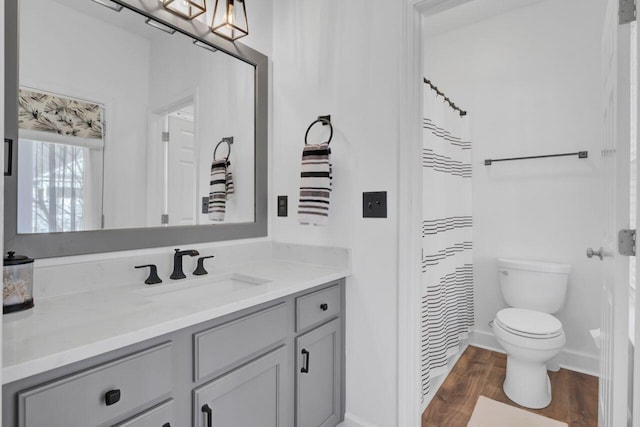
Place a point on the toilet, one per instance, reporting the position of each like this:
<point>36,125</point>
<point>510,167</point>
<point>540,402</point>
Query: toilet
<point>527,331</point>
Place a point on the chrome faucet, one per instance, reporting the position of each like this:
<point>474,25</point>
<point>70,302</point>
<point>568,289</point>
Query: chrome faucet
<point>177,263</point>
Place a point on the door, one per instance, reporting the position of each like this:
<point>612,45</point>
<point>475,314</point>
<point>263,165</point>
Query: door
<point>182,200</point>
<point>614,363</point>
<point>318,366</point>
<point>251,395</point>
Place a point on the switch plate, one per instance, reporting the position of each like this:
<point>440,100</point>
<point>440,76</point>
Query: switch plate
<point>205,205</point>
<point>374,204</point>
<point>283,203</point>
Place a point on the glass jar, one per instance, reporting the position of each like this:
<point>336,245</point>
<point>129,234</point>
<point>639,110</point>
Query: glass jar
<point>17,273</point>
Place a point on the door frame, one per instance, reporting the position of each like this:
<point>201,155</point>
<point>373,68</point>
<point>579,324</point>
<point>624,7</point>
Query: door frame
<point>410,89</point>
<point>409,212</point>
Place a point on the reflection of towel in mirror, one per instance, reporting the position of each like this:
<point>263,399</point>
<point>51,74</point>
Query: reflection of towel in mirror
<point>315,185</point>
<point>231,189</point>
<point>218,190</point>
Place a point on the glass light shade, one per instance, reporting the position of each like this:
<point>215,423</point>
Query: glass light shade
<point>230,19</point>
<point>188,9</point>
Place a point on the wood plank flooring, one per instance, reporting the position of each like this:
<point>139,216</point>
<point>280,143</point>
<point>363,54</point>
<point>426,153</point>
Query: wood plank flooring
<point>482,372</point>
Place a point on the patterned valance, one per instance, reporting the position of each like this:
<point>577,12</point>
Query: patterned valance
<point>46,112</point>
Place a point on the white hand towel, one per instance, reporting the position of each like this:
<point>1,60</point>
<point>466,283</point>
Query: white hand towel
<point>315,185</point>
<point>218,190</point>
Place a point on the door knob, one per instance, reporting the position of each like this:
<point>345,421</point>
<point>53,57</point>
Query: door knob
<point>591,253</point>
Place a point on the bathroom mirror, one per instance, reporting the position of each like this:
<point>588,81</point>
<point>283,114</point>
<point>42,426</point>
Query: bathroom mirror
<point>117,114</point>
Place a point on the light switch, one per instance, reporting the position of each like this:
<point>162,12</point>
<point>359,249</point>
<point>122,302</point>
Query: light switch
<point>374,204</point>
<point>283,203</point>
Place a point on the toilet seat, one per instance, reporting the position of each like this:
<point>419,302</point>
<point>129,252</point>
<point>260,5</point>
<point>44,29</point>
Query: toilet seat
<point>529,323</point>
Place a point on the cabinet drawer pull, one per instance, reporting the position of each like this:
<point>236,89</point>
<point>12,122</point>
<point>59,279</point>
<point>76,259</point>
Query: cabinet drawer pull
<point>206,409</point>
<point>306,356</point>
<point>166,425</point>
<point>324,306</point>
<point>112,397</point>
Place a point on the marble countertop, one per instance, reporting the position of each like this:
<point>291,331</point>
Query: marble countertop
<point>64,329</point>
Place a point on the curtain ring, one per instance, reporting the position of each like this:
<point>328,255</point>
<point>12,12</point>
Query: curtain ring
<point>325,121</point>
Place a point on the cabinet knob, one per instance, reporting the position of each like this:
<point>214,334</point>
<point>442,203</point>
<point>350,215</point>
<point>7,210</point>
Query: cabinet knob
<point>324,306</point>
<point>112,396</point>
<point>166,425</point>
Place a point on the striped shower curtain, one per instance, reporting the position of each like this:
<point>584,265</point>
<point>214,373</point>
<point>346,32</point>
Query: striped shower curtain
<point>447,269</point>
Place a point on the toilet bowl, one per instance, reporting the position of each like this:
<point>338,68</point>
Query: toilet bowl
<point>531,339</point>
<point>527,331</point>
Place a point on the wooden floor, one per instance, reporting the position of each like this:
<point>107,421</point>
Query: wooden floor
<point>482,372</point>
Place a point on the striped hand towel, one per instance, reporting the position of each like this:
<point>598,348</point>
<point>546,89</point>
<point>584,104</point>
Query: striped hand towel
<point>315,185</point>
<point>231,189</point>
<point>218,190</point>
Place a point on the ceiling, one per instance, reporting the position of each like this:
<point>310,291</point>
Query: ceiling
<point>468,13</point>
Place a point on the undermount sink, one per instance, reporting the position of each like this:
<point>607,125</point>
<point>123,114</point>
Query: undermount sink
<point>223,283</point>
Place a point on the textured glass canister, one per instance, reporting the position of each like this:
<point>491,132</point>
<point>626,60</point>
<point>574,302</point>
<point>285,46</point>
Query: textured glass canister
<point>17,273</point>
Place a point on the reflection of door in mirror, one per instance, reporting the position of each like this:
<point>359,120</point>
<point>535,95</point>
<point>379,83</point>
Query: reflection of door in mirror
<point>181,168</point>
<point>60,152</point>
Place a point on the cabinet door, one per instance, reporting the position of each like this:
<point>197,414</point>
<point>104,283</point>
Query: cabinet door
<point>251,395</point>
<point>318,370</point>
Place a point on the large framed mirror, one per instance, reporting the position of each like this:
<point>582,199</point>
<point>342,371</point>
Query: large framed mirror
<point>129,127</point>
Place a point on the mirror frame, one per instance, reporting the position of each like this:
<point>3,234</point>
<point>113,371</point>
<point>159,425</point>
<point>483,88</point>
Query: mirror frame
<point>45,245</point>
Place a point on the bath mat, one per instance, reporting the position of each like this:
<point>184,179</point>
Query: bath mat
<point>489,413</point>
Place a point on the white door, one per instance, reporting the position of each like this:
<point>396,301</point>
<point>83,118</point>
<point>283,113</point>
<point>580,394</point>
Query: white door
<point>613,399</point>
<point>182,203</point>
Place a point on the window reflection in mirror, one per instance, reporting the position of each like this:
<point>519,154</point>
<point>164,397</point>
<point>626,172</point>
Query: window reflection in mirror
<point>119,122</point>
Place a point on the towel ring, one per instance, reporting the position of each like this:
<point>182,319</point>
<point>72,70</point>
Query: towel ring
<point>229,141</point>
<point>325,120</point>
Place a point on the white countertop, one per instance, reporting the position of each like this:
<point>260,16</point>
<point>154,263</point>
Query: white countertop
<point>64,329</point>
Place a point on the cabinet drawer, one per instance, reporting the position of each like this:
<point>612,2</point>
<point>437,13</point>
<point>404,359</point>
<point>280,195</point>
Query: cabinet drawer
<point>81,399</point>
<point>317,307</point>
<point>159,416</point>
<point>219,347</point>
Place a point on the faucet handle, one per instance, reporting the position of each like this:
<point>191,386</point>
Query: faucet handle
<point>200,271</point>
<point>153,274</point>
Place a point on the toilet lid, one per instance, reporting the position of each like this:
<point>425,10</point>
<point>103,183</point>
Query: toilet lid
<point>529,323</point>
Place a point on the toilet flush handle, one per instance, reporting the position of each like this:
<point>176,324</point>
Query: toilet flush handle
<point>591,253</point>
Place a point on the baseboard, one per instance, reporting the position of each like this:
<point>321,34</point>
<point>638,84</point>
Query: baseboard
<point>351,420</point>
<point>569,359</point>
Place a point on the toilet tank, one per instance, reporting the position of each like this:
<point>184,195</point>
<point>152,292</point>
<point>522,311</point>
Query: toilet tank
<point>534,285</point>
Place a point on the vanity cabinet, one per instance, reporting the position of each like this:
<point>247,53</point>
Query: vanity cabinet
<point>278,364</point>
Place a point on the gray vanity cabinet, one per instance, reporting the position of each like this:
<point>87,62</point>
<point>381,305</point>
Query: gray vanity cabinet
<point>318,370</point>
<point>251,395</point>
<point>277,364</point>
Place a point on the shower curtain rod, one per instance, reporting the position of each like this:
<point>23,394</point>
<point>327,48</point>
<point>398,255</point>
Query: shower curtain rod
<point>451,104</point>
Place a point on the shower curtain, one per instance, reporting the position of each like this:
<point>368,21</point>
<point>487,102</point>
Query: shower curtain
<point>447,269</point>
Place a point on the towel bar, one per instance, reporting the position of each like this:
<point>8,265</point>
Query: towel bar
<point>580,154</point>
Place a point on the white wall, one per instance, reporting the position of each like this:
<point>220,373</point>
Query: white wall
<point>341,58</point>
<point>530,79</point>
<point>89,55</point>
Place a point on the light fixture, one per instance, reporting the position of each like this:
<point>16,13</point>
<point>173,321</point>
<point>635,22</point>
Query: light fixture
<point>109,4</point>
<point>230,19</point>
<point>159,26</point>
<point>204,45</point>
<point>188,9</point>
